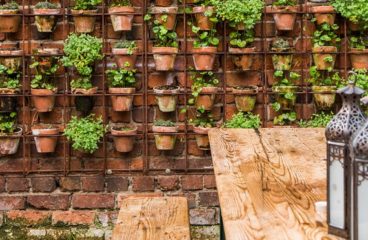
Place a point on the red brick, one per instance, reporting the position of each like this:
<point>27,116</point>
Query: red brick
<point>73,217</point>
<point>29,217</point>
<point>15,184</point>
<point>204,216</point>
<point>2,184</point>
<point>93,200</point>
<point>192,182</point>
<point>43,184</point>
<point>12,203</point>
<point>70,184</point>
<point>51,202</point>
<point>143,184</point>
<point>93,184</point>
<point>209,181</point>
<point>168,183</point>
<point>117,184</point>
<point>208,199</point>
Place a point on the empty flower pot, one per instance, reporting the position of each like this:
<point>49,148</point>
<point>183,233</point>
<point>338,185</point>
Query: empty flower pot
<point>245,98</point>
<point>9,145</point>
<point>164,137</point>
<point>122,103</point>
<point>242,57</point>
<point>84,20</point>
<point>122,57</point>
<point>11,22</point>
<point>44,139</point>
<point>124,138</point>
<point>166,97</point>
<point>202,137</point>
<point>43,99</point>
<point>324,96</point>
<point>202,16</point>
<point>45,19</point>
<point>164,58</point>
<point>13,60</point>
<point>121,18</point>
<point>286,104</point>
<point>284,17</point>
<point>206,98</point>
<point>324,14</point>
<point>359,58</point>
<point>204,58</point>
<point>166,16</point>
<point>324,57</point>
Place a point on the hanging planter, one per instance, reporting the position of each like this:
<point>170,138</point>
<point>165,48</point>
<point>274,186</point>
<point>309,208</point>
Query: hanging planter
<point>323,14</point>
<point>84,20</point>
<point>284,17</point>
<point>202,140</point>
<point>245,98</point>
<point>324,57</point>
<point>206,98</point>
<point>203,16</point>
<point>204,58</point>
<point>121,103</point>
<point>163,3</point>
<point>9,19</point>
<point>359,58</point>
<point>164,135</point>
<point>9,145</point>
<point>125,54</point>
<point>164,58</point>
<point>13,60</point>
<point>44,139</point>
<point>242,57</point>
<point>286,104</point>
<point>324,96</point>
<point>43,99</point>
<point>46,16</point>
<point>121,17</point>
<point>123,138</point>
<point>165,16</point>
<point>281,59</point>
<point>166,97</point>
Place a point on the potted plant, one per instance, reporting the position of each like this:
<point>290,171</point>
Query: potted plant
<point>245,97</point>
<point>323,14</point>
<point>46,15</point>
<point>85,133</point>
<point>122,14</point>
<point>9,80</point>
<point>84,15</point>
<point>242,56</point>
<point>123,137</point>
<point>204,89</point>
<point>44,136</point>
<point>205,15</point>
<point>359,51</point>
<point>324,86</point>
<point>81,52</point>
<point>165,46</point>
<point>43,87</point>
<point>318,120</point>
<point>165,137</point>
<point>11,58</point>
<point>204,49</point>
<point>243,120</point>
<point>324,46</point>
<point>166,97</point>
<point>121,81</point>
<point>284,14</point>
<point>354,11</point>
<point>10,133</point>
<point>360,78</point>
<point>201,125</point>
<point>165,16</point>
<point>9,18</point>
<point>125,51</point>
<point>281,59</point>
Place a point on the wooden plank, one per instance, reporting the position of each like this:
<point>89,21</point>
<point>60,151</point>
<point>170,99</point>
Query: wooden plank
<point>153,218</point>
<point>269,181</point>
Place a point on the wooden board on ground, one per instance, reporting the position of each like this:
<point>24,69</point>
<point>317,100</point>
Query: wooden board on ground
<point>269,181</point>
<point>152,218</point>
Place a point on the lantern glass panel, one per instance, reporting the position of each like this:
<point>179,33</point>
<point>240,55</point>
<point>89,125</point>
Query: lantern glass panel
<point>337,195</point>
<point>363,210</point>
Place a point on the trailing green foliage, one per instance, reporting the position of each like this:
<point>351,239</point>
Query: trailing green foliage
<point>120,3</point>
<point>285,78</point>
<point>46,5</point>
<point>45,68</point>
<point>360,78</point>
<point>325,35</point>
<point>200,80</point>
<point>164,123</point>
<point>241,39</point>
<point>205,38</point>
<point>122,77</point>
<point>285,118</point>
<point>162,36</point>
<point>324,78</point>
<point>203,119</point>
<point>359,42</point>
<point>243,120</point>
<point>356,11</point>
<point>127,44</point>
<point>86,4</point>
<point>8,122</point>
<point>9,6</point>
<point>318,120</point>
<point>9,78</point>
<point>85,133</point>
<point>284,3</point>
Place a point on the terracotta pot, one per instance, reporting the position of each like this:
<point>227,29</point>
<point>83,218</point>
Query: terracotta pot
<point>242,57</point>
<point>169,12</point>
<point>324,96</point>
<point>9,145</point>
<point>206,98</point>
<point>84,20</point>
<point>121,18</point>
<point>202,137</point>
<point>321,53</point>
<point>122,103</point>
<point>167,98</point>
<point>203,22</point>
<point>122,57</point>
<point>324,14</point>
<point>13,60</point>
<point>8,104</point>
<point>123,139</point>
<point>245,98</point>
<point>284,17</point>
<point>164,141</point>
<point>43,99</point>
<point>164,58</point>
<point>9,24</point>
<point>163,3</point>
<point>44,142</point>
<point>204,58</point>
<point>359,58</point>
<point>83,91</point>
<point>45,19</point>
<point>9,91</point>
<point>286,104</point>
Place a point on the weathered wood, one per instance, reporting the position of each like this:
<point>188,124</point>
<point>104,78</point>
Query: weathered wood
<point>153,218</point>
<point>269,181</point>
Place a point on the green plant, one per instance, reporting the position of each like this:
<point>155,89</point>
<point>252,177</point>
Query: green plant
<point>162,36</point>
<point>120,3</point>
<point>325,35</point>
<point>285,118</point>
<point>81,51</point>
<point>163,123</point>
<point>121,77</point>
<point>9,78</point>
<point>360,78</point>
<point>243,120</point>
<point>85,133</point>
<point>284,3</point>
<point>86,4</point>
<point>280,45</point>
<point>356,11</point>
<point>359,42</point>
<point>284,78</point>
<point>241,39</point>
<point>318,120</point>
<point>8,123</point>
<point>203,119</point>
<point>10,6</point>
<point>324,78</point>
<point>205,38</point>
<point>200,80</point>
<point>45,68</point>
<point>127,44</point>
<point>46,5</point>
<point>203,2</point>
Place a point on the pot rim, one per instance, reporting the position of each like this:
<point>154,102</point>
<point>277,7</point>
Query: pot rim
<point>324,9</point>
<point>17,132</point>
<point>37,130</point>
<point>83,91</point>
<point>9,11</point>
<point>121,9</point>
<point>324,89</point>
<point>46,11</point>
<point>12,52</point>
<point>123,51</point>
<point>283,9</point>
<point>121,90</point>
<point>9,91</point>
<point>324,49</point>
<point>242,50</point>
<point>201,130</point>
<point>166,91</point>
<point>163,129</point>
<point>162,10</point>
<point>165,50</point>
<point>358,51</point>
<point>48,51</point>
<point>252,90</point>
<point>42,91</point>
<point>278,89</point>
<point>199,50</point>
<point>130,132</point>
<point>83,12</point>
<point>209,90</point>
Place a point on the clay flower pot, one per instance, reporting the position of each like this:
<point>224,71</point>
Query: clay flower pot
<point>164,137</point>
<point>245,98</point>
<point>43,99</point>
<point>122,57</point>
<point>84,20</point>
<point>10,23</point>
<point>281,60</point>
<point>203,21</point>
<point>45,142</point>
<point>286,104</point>
<point>202,137</point>
<point>9,91</point>
<point>83,91</point>
<point>163,3</point>
<point>204,58</point>
<point>321,54</point>
<point>123,138</point>
<point>13,60</point>
<point>121,18</point>
<point>45,19</point>
<point>121,103</point>
<point>284,17</point>
<point>242,57</point>
<point>206,98</point>
<point>166,97</point>
<point>164,58</point>
<point>324,96</point>
<point>9,145</point>
<point>170,13</point>
<point>359,58</point>
<point>324,14</point>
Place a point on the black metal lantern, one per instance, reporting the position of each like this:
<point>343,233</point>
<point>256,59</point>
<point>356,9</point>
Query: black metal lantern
<point>338,133</point>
